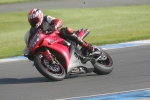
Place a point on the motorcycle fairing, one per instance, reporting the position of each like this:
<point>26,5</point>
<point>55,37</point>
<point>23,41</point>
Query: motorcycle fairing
<point>76,62</point>
<point>51,41</point>
<point>83,33</point>
<point>58,47</point>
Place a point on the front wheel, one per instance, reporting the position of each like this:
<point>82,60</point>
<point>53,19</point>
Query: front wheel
<point>103,66</point>
<point>54,72</point>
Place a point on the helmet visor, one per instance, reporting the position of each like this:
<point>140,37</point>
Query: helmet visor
<point>34,22</point>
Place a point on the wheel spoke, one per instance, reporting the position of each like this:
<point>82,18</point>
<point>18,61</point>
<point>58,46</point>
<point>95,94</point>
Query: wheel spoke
<point>53,68</point>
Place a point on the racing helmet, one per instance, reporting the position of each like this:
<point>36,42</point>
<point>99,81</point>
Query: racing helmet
<point>35,17</point>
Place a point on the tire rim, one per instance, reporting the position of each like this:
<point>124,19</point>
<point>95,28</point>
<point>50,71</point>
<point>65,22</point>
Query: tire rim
<point>56,69</point>
<point>107,62</point>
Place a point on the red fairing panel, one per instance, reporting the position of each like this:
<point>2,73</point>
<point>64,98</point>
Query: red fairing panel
<point>63,50</point>
<point>81,33</point>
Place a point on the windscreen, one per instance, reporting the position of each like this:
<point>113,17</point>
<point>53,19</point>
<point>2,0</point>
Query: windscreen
<point>26,37</point>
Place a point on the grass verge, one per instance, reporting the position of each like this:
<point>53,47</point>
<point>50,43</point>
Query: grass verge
<point>107,25</point>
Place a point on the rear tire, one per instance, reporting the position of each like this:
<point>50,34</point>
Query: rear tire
<point>55,73</point>
<point>103,67</point>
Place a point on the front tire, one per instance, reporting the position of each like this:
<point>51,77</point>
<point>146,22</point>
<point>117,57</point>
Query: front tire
<point>103,67</point>
<point>52,72</point>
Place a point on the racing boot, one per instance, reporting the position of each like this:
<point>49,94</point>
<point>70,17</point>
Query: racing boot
<point>88,49</point>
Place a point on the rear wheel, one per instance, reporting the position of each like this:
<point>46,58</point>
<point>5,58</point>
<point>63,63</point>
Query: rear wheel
<point>104,66</point>
<point>54,72</point>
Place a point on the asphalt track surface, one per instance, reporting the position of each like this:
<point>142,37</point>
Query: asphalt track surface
<point>20,81</point>
<point>58,4</point>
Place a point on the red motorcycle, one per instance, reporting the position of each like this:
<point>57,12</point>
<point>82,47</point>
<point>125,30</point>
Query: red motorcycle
<point>56,59</point>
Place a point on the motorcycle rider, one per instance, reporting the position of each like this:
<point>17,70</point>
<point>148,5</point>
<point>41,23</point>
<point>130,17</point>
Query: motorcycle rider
<point>38,21</point>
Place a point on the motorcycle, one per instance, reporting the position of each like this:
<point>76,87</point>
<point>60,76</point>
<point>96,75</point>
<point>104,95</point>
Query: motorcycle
<point>56,59</point>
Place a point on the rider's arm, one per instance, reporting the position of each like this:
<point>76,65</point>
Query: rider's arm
<point>54,21</point>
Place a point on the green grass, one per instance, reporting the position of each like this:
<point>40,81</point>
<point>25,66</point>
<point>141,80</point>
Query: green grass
<point>107,25</point>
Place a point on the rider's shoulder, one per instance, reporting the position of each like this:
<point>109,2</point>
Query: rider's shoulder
<point>49,18</point>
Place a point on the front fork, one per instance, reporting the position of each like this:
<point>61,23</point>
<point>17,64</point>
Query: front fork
<point>48,56</point>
